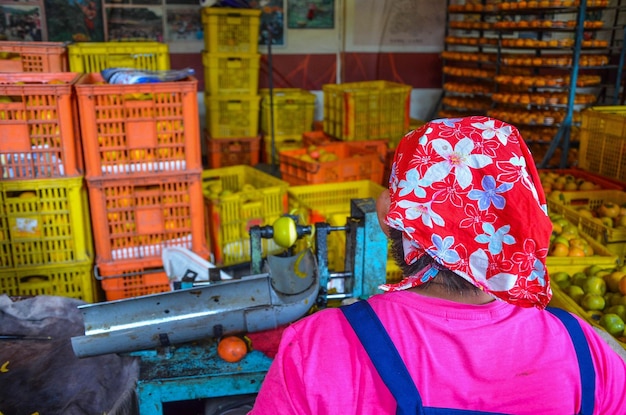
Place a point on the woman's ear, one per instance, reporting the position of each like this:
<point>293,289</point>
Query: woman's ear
<point>382,208</point>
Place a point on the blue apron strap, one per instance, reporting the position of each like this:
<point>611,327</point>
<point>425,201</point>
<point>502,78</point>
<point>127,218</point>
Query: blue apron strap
<point>585,363</point>
<point>384,356</point>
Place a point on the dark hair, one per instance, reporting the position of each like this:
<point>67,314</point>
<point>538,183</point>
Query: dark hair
<point>451,281</point>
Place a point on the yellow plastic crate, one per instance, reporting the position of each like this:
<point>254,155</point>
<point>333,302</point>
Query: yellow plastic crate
<point>231,116</point>
<point>602,256</point>
<point>394,273</point>
<point>612,239</point>
<point>237,198</point>
<point>603,141</point>
<point>370,110</point>
<point>289,111</point>
<point>329,203</point>
<point>231,30</point>
<point>74,280</point>
<point>89,57</point>
<point>316,202</point>
<point>44,222</point>
<point>231,74</point>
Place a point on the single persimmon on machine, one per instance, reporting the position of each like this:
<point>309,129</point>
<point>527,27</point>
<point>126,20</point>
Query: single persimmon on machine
<point>175,334</point>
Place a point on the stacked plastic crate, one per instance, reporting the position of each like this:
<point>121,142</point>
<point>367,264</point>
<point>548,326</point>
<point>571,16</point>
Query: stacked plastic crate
<point>141,146</point>
<point>45,234</point>
<point>231,74</point>
<point>286,113</point>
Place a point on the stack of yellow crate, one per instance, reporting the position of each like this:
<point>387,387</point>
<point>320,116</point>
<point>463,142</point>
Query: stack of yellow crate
<point>45,234</point>
<point>231,73</point>
<point>286,114</point>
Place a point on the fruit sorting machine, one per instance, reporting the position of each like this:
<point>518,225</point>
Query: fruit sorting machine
<point>174,333</point>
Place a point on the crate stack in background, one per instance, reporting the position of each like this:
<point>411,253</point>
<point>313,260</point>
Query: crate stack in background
<point>231,76</point>
<point>141,146</point>
<point>286,113</point>
<point>45,233</point>
<point>363,122</point>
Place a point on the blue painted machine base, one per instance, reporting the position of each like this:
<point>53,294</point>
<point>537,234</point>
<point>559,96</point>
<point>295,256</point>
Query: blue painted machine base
<point>195,371</point>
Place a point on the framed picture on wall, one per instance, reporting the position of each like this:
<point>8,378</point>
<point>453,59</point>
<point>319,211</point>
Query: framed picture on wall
<point>21,21</point>
<point>310,14</point>
<point>183,23</point>
<point>134,23</point>
<point>272,24</point>
<point>74,20</point>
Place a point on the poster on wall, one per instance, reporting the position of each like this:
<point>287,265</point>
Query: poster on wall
<point>134,23</point>
<point>395,25</point>
<point>20,22</point>
<point>183,24</point>
<point>272,24</point>
<point>74,20</point>
<point>310,14</point>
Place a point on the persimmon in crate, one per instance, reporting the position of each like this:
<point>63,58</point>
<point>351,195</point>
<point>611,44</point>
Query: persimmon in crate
<point>134,219</point>
<point>330,163</point>
<point>38,134</point>
<point>139,128</point>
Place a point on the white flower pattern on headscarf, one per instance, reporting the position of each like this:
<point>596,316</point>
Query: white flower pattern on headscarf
<point>458,160</point>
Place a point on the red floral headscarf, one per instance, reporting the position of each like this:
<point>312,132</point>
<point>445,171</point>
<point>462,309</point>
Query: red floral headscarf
<point>466,192</point>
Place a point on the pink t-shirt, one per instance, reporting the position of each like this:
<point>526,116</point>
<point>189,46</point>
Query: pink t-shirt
<point>494,357</point>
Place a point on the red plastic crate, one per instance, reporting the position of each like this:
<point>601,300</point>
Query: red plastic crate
<point>33,57</point>
<point>223,152</point>
<point>354,163</point>
<point>131,280</point>
<point>130,130</point>
<point>38,126</point>
<point>134,219</point>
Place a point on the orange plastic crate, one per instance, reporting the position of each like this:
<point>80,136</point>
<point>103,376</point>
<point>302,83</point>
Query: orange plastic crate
<point>317,138</point>
<point>33,57</point>
<point>135,218</point>
<point>38,134</point>
<point>320,138</point>
<point>131,280</point>
<point>223,152</point>
<point>354,163</point>
<point>281,143</point>
<point>136,129</point>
